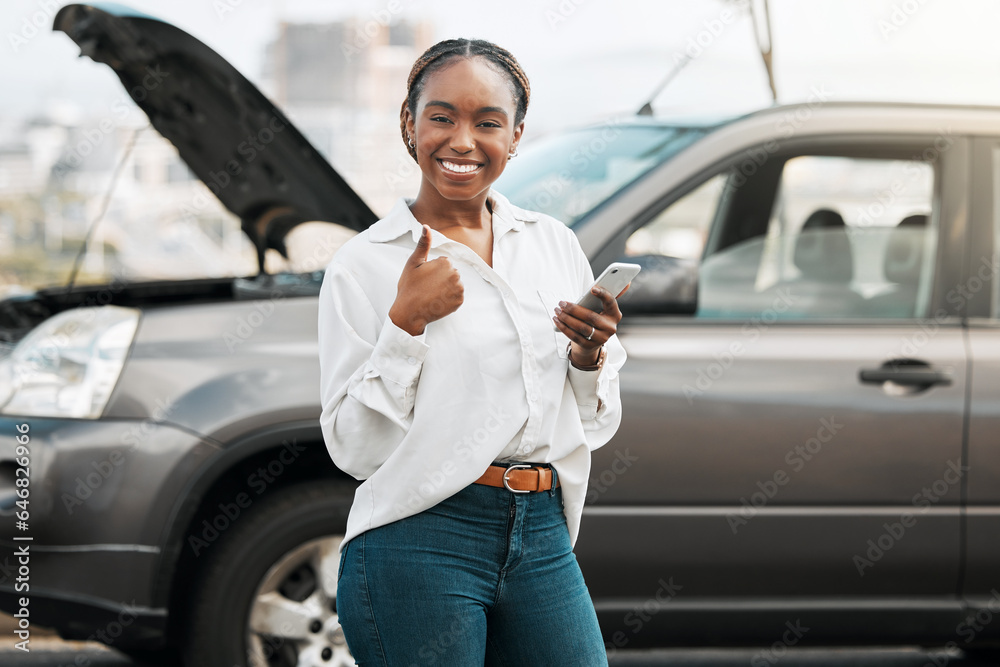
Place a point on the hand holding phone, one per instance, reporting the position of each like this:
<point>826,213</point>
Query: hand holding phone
<point>614,279</point>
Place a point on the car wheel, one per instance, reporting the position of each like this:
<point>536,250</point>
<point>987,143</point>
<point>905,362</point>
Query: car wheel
<point>266,595</point>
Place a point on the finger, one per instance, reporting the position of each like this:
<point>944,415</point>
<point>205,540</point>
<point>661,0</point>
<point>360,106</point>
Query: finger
<point>623,291</point>
<point>419,255</point>
<point>610,304</point>
<point>609,307</point>
<point>588,323</point>
<point>576,336</point>
<point>584,314</point>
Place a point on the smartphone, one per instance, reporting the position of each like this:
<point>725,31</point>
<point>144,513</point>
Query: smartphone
<point>614,279</point>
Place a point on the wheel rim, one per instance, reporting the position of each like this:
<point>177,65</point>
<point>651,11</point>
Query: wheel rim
<point>293,619</point>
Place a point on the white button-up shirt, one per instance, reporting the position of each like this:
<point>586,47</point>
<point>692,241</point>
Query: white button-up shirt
<point>419,418</point>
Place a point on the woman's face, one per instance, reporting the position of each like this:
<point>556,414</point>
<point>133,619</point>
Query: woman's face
<point>464,128</point>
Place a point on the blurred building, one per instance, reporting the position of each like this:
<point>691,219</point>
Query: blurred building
<point>342,84</point>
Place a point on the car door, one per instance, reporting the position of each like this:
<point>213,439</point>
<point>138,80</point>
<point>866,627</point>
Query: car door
<point>980,289</point>
<point>796,443</point>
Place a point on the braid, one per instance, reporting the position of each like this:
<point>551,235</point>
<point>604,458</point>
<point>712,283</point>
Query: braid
<point>444,51</point>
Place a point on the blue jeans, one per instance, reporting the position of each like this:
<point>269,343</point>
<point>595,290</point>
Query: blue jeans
<point>484,577</point>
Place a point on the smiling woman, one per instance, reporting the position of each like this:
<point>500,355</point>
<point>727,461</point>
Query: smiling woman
<point>448,390</point>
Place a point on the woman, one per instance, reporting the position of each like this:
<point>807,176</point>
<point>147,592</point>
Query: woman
<point>464,386</point>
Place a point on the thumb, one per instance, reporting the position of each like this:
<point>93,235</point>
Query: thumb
<point>419,255</point>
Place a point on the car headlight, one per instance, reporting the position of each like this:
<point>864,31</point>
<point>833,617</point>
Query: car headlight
<point>69,364</point>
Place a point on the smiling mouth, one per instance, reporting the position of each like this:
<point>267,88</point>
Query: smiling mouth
<point>456,168</point>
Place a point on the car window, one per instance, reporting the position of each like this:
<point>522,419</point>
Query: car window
<point>844,237</point>
<point>680,230</point>
<point>569,174</point>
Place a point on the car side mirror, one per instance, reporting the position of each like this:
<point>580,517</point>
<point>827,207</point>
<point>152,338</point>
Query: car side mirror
<point>665,286</point>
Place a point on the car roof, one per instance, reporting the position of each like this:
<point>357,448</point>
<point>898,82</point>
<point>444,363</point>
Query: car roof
<point>862,116</point>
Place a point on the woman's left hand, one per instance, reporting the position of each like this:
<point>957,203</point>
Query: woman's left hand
<point>589,330</point>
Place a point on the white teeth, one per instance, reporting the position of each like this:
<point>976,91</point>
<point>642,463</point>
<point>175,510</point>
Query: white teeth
<point>459,168</point>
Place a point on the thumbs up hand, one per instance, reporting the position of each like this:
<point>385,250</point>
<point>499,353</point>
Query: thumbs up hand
<point>427,291</point>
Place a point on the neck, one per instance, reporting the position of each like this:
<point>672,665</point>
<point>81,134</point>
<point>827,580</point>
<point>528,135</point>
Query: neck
<point>431,208</point>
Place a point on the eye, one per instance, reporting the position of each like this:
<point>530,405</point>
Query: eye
<point>490,123</point>
<point>440,119</point>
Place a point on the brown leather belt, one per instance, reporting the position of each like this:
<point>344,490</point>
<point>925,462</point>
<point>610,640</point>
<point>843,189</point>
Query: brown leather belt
<point>518,478</point>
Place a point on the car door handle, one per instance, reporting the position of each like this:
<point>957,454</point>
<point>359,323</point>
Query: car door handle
<point>922,376</point>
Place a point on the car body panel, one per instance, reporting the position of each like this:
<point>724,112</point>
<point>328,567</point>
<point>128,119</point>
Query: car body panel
<point>231,368</point>
<point>783,458</point>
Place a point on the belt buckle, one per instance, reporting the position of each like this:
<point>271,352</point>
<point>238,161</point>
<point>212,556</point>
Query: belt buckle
<point>506,482</point>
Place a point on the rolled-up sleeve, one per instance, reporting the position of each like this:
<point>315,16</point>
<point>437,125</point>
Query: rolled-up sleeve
<point>597,394</point>
<point>369,372</point>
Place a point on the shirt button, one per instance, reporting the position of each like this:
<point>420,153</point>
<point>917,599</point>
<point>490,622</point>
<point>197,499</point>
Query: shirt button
<point>411,360</point>
<point>533,398</point>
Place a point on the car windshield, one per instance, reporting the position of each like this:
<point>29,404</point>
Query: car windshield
<point>569,174</point>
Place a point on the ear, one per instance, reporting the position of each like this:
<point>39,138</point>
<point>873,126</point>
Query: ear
<point>518,131</point>
<point>409,121</point>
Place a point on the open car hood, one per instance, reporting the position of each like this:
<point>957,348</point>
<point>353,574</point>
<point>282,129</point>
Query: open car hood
<point>232,137</point>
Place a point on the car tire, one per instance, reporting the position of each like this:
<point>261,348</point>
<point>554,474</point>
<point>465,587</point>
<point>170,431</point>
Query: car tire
<point>267,590</point>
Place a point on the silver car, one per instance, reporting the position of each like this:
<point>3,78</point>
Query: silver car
<point>807,448</point>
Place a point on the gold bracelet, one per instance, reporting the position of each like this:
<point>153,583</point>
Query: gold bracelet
<point>595,367</point>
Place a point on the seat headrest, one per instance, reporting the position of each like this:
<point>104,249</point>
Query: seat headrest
<point>904,250</point>
<point>823,249</point>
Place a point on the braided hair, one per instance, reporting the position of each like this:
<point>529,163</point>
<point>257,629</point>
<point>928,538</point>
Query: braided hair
<point>441,53</point>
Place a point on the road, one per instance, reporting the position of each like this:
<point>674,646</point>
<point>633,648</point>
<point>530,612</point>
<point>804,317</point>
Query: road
<point>47,650</point>
<point>51,652</point>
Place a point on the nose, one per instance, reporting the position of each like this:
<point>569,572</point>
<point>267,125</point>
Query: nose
<point>461,140</point>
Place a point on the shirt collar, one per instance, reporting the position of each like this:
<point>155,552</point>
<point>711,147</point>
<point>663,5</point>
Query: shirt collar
<point>400,220</point>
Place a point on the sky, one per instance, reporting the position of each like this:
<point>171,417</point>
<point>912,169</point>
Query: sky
<point>586,59</point>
